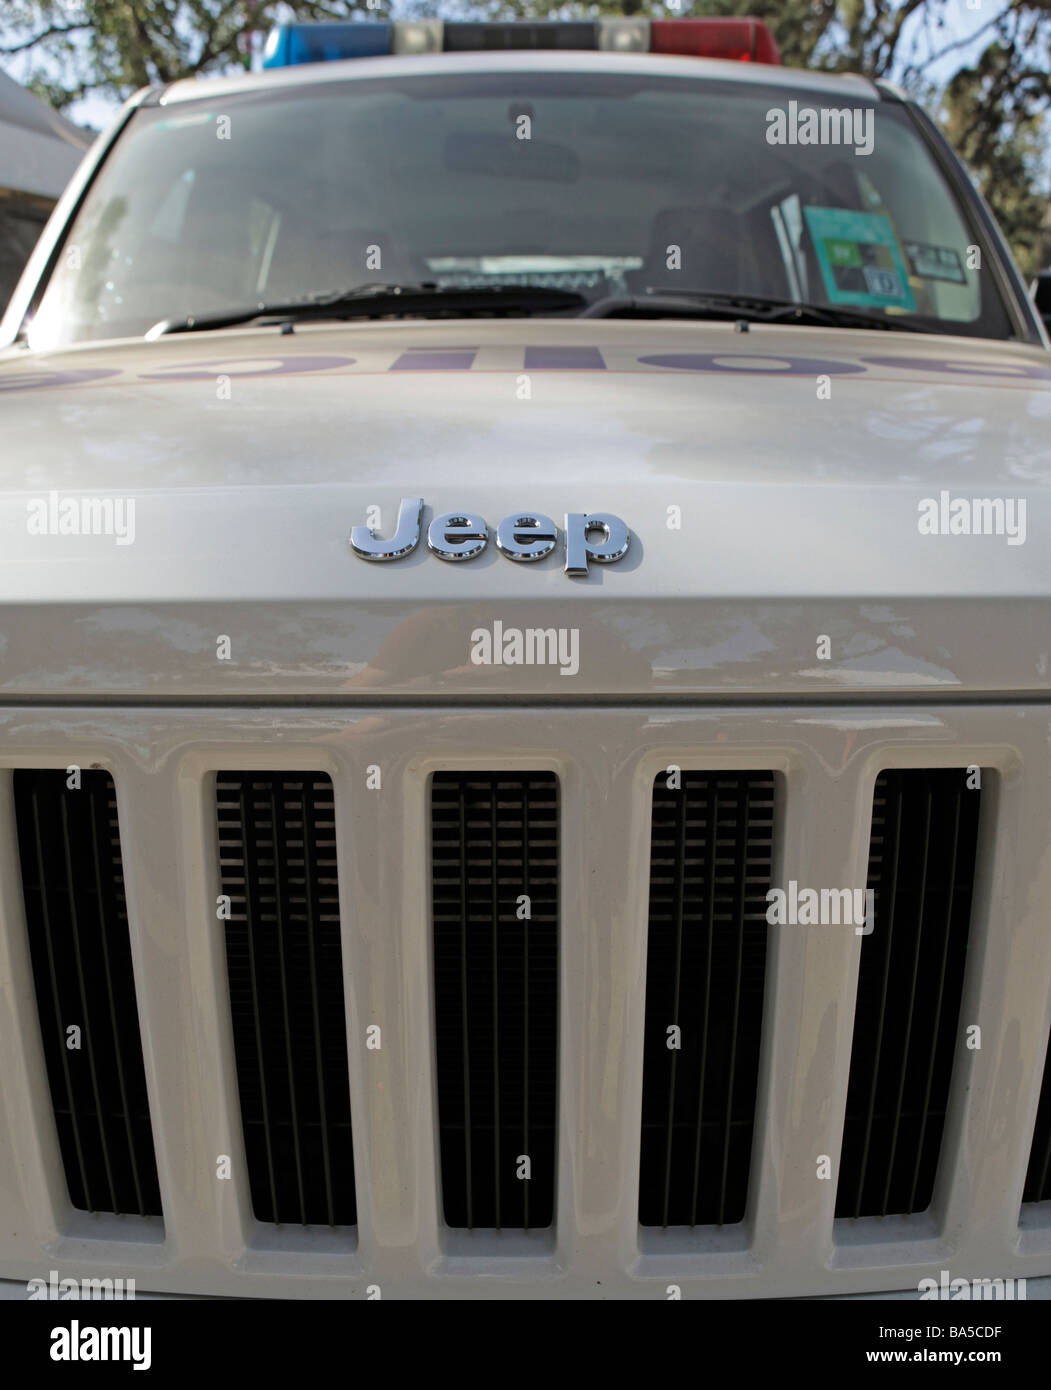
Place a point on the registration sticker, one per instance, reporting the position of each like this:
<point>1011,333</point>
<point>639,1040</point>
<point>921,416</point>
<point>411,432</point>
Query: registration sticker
<point>935,262</point>
<point>860,259</point>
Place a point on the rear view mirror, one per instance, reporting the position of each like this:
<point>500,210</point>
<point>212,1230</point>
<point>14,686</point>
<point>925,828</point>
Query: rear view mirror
<point>468,152</point>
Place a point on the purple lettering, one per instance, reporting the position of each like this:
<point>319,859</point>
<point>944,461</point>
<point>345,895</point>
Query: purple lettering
<point>762,365</point>
<point>226,366</point>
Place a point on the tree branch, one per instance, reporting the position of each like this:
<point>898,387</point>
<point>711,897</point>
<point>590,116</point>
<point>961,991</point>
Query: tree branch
<point>48,33</point>
<point>967,38</point>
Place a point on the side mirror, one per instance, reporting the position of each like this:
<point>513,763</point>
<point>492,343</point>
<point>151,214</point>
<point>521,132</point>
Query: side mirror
<point>1041,292</point>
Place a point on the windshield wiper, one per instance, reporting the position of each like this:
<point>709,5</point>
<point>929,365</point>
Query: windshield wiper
<point>700,304</point>
<point>378,301</point>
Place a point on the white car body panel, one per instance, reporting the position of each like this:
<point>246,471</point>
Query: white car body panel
<point>800,515</point>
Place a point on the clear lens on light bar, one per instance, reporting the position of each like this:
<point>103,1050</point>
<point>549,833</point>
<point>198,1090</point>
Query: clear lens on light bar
<point>624,35</point>
<point>418,36</point>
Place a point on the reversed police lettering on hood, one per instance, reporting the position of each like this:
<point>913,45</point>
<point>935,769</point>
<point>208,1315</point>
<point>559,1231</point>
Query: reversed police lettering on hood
<point>522,537</point>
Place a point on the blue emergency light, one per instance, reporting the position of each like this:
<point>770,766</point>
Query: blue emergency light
<point>741,40</point>
<point>323,43</point>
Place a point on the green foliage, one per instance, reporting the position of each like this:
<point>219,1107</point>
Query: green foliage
<point>995,115</point>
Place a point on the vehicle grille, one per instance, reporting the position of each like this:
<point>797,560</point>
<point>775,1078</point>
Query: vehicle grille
<point>277,864</point>
<point>906,1025</point>
<point>73,887</point>
<point>525,904</point>
<point>710,869</point>
<point>494,865</point>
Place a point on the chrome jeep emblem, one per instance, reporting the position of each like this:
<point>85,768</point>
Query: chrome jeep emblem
<point>522,537</point>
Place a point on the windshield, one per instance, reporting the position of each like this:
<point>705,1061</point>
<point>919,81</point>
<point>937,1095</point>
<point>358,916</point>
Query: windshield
<point>608,184</point>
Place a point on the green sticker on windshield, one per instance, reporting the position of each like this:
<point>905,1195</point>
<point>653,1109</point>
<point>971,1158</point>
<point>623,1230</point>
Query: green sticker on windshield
<point>861,262</point>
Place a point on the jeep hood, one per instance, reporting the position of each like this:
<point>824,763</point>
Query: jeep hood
<point>772,481</point>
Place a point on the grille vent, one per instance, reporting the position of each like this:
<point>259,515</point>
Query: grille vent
<point>277,862</point>
<point>1038,1176</point>
<point>710,870</point>
<point>73,888</point>
<point>906,1028</point>
<point>495,839</point>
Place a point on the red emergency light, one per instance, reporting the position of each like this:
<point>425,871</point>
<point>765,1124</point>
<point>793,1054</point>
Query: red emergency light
<point>742,40</point>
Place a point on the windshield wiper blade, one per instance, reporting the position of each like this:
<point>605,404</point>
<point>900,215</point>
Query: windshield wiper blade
<point>376,301</point>
<point>659,303</point>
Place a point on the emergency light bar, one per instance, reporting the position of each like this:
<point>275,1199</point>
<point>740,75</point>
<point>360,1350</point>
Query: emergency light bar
<point>741,40</point>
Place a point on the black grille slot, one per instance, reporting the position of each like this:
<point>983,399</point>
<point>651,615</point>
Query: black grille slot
<point>921,868</point>
<point>710,871</point>
<point>277,863</point>
<point>1038,1177</point>
<point>495,839</point>
<point>73,886</point>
